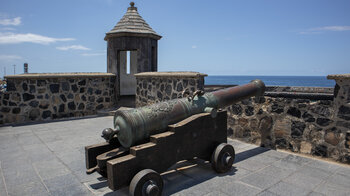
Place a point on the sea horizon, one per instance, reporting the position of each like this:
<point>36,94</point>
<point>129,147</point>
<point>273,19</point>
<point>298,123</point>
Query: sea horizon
<point>307,81</point>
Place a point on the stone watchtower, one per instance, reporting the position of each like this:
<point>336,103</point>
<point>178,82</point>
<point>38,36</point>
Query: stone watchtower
<point>132,47</point>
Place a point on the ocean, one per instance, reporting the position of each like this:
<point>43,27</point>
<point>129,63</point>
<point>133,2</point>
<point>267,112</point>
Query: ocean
<point>311,81</point>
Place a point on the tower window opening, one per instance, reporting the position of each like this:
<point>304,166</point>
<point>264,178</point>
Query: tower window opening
<point>128,59</point>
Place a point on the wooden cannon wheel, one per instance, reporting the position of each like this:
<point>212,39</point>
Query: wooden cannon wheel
<point>146,183</point>
<point>223,158</point>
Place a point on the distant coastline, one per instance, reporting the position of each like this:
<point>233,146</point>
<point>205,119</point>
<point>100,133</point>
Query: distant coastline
<point>312,81</point>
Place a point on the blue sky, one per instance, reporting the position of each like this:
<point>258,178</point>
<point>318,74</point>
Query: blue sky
<point>260,37</point>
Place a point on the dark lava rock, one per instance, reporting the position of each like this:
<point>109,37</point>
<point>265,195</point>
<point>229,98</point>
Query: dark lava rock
<point>82,82</point>
<point>63,97</point>
<point>259,99</point>
<point>92,98</point>
<point>81,106</point>
<point>5,109</point>
<point>344,112</point>
<point>32,89</point>
<point>98,92</point>
<point>61,108</point>
<point>82,90</point>
<point>16,110</point>
<point>246,101</point>
<point>174,96</point>
<point>168,90</point>
<point>159,95</point>
<point>107,99</point>
<point>34,114</point>
<point>46,114</point>
<point>308,117</point>
<point>185,83</point>
<point>54,88</point>
<point>6,96</point>
<point>293,111</point>
<point>83,97</point>
<point>281,143</point>
<point>65,86</point>
<point>320,150</point>
<point>41,82</point>
<point>39,97</point>
<point>325,102</point>
<point>336,90</point>
<point>321,110</point>
<point>236,109</point>
<point>12,103</point>
<point>297,129</point>
<point>11,86</point>
<point>99,107</point>
<point>90,91</point>
<point>24,86</point>
<point>27,96</point>
<point>260,111</point>
<point>34,104</point>
<point>70,96</point>
<point>74,88</point>
<point>192,82</point>
<point>174,84</point>
<point>277,109</point>
<point>5,102</point>
<point>323,121</point>
<point>179,87</point>
<point>71,105</point>
<point>249,111</point>
<point>99,100</point>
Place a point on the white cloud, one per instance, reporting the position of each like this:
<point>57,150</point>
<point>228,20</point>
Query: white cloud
<point>9,57</point>
<point>93,54</point>
<point>319,30</point>
<point>7,29</point>
<point>16,38</point>
<point>11,21</point>
<point>332,28</point>
<point>194,46</point>
<point>73,47</point>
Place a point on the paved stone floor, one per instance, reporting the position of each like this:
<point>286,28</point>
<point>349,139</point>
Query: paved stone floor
<point>48,159</point>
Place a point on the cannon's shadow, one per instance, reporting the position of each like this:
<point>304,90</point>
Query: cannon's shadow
<point>187,174</point>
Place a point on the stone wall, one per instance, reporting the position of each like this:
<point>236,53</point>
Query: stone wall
<point>152,87</point>
<point>306,121</point>
<point>309,120</point>
<point>35,97</point>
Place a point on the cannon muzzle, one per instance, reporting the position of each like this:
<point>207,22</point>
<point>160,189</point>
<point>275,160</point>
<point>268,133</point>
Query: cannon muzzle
<point>134,126</point>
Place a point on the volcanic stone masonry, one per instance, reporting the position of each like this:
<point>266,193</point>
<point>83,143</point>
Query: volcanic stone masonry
<point>307,120</point>
<point>33,97</point>
<point>153,87</point>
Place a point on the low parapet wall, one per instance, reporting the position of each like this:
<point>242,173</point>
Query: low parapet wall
<point>35,97</point>
<point>152,87</point>
<point>309,120</point>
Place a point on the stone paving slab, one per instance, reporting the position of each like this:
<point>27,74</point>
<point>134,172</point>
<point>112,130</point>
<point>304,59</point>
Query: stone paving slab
<point>49,159</point>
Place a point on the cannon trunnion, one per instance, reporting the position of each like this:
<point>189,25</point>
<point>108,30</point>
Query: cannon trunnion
<point>146,141</point>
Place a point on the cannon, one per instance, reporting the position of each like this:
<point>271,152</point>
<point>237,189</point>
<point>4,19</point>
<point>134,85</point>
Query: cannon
<point>148,140</point>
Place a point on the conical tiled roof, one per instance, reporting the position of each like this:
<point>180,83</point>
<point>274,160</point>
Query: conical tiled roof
<point>132,24</point>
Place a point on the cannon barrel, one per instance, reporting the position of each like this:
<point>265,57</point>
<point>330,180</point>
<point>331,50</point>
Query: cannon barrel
<point>134,126</point>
